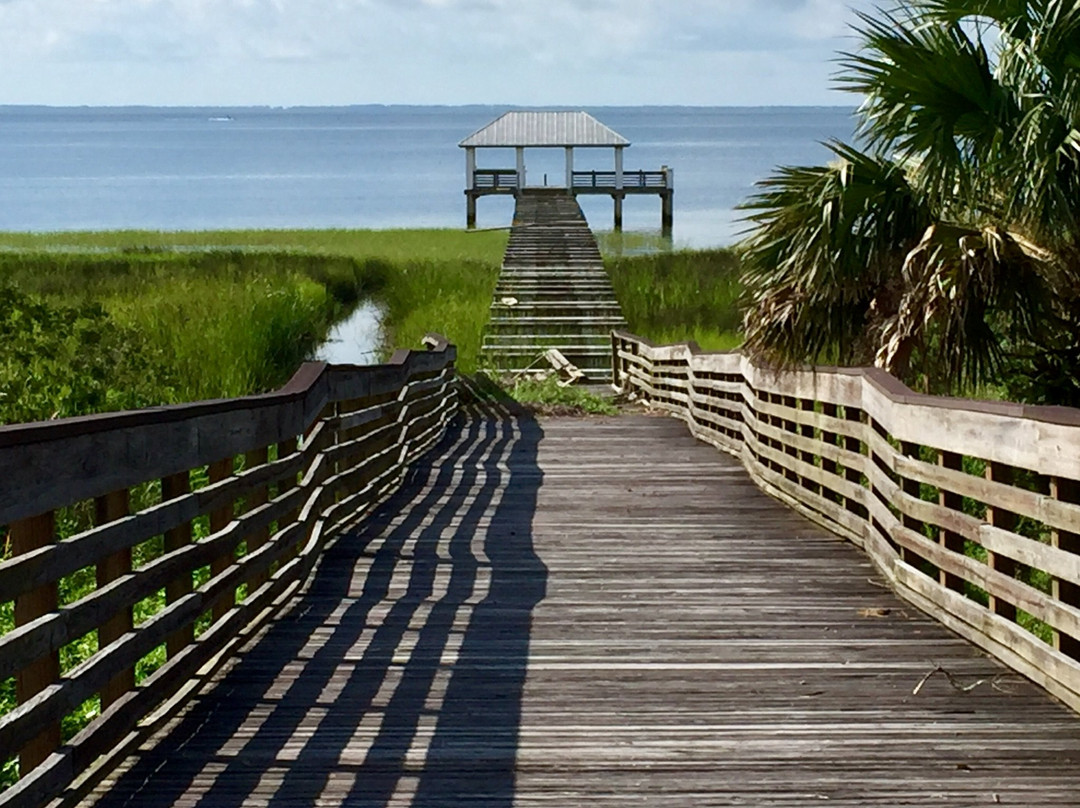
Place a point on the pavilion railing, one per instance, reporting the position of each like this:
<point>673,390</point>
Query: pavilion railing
<point>495,178</point>
<point>970,509</point>
<point>158,541</point>
<point>632,180</point>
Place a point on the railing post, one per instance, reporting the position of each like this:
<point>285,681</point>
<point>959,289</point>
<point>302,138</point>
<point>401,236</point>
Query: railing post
<point>1006,520</point>
<point>107,509</point>
<point>26,536</point>
<point>807,431</point>
<point>912,489</point>
<point>173,487</point>
<point>616,362</point>
<point>951,541</point>
<point>827,464</point>
<point>219,520</point>
<point>286,448</point>
<point>1066,490</point>
<point>791,427</point>
<point>260,496</point>
<point>853,475</point>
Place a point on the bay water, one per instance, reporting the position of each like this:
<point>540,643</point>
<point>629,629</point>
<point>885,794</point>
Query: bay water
<point>369,166</point>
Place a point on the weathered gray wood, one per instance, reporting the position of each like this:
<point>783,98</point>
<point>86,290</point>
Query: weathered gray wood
<point>260,496</point>
<point>36,672</point>
<point>952,502</point>
<point>60,462</point>
<point>784,452</point>
<point>504,631</point>
<point>114,567</point>
<point>1067,591</point>
<point>413,395</point>
<point>57,560</point>
<point>1002,518</point>
<point>177,538</point>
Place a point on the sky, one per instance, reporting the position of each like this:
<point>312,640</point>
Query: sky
<point>335,52</point>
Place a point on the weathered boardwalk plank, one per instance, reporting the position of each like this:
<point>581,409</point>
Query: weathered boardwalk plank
<point>602,612</point>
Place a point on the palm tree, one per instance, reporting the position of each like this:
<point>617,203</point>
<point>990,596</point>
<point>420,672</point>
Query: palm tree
<point>948,245</point>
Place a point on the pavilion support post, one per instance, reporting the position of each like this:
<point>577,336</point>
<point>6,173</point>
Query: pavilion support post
<point>470,169</point>
<point>570,169</point>
<point>618,168</point>
<point>520,167</point>
<point>667,202</point>
<point>470,210</point>
<point>618,210</point>
<point>667,212</point>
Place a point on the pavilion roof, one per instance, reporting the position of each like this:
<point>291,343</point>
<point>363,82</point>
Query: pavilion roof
<point>539,129</point>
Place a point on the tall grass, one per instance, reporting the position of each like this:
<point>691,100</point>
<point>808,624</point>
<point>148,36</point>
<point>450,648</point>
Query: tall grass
<point>428,280</point>
<point>388,245</point>
<point>450,298</point>
<point>680,296</point>
<point>91,332</point>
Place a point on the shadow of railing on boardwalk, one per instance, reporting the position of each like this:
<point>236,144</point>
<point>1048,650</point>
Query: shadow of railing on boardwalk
<point>284,725</point>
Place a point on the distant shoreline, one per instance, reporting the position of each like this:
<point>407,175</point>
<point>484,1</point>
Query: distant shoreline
<point>401,107</point>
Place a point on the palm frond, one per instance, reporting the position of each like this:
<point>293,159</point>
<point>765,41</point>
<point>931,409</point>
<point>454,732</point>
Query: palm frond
<point>931,96</point>
<point>966,291</point>
<point>826,241</point>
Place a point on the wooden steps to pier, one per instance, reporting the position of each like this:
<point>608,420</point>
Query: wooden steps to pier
<point>553,291</point>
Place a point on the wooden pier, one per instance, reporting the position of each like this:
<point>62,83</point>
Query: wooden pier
<point>567,131</point>
<point>553,291</point>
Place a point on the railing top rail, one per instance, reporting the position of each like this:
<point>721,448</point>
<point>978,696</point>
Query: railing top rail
<point>892,387</point>
<point>53,463</point>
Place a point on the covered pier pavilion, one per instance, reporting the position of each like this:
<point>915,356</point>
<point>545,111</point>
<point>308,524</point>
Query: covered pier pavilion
<point>521,130</point>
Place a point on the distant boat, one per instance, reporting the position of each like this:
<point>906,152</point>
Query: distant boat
<point>222,119</point>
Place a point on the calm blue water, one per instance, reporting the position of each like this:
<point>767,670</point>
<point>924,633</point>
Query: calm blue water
<point>371,167</point>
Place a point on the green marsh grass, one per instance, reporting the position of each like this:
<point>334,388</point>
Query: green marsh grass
<point>389,245</point>
<point>546,396</point>
<point>235,312</point>
<point>680,296</point>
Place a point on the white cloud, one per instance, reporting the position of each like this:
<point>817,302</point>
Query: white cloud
<point>418,51</point>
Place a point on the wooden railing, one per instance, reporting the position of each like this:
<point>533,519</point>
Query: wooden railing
<point>968,508</point>
<point>495,178</point>
<point>632,180</point>
<point>189,525</point>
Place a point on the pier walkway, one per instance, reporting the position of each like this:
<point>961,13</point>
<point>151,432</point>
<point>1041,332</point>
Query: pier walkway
<point>553,291</point>
<point>594,612</point>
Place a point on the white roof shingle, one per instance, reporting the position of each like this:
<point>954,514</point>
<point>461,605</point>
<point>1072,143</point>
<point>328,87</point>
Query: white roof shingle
<point>538,129</point>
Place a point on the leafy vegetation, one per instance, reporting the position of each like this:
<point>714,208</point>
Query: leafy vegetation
<point>546,397</point>
<point>89,333</point>
<point>947,250</point>
<point>61,360</point>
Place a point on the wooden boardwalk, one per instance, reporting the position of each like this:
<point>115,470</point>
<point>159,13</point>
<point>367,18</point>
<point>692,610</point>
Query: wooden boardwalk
<point>602,612</point>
